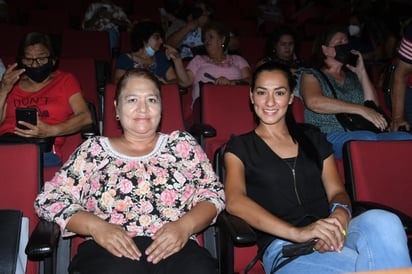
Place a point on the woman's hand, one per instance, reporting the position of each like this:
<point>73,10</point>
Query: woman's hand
<point>40,130</point>
<point>400,123</point>
<point>223,81</point>
<point>167,240</point>
<point>115,239</point>
<point>10,78</point>
<point>171,52</point>
<point>375,117</point>
<point>161,80</point>
<point>328,232</point>
<point>359,69</point>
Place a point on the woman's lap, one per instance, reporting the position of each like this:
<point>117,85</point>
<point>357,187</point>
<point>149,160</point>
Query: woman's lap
<point>91,258</point>
<point>375,240</point>
<point>339,138</point>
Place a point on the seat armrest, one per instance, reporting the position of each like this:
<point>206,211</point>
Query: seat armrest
<point>89,131</point>
<point>240,231</point>
<point>359,207</point>
<point>43,241</point>
<point>204,130</point>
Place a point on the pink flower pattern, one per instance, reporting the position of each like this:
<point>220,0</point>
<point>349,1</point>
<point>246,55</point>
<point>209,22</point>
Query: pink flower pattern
<point>139,193</point>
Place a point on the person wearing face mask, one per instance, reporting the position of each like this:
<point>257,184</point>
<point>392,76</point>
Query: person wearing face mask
<point>33,82</point>
<point>370,36</point>
<point>336,66</point>
<point>282,179</point>
<point>146,41</point>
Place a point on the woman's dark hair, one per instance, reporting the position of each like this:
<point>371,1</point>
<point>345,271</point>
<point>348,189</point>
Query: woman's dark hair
<point>220,30</point>
<point>34,38</point>
<point>296,131</point>
<point>138,73</point>
<point>323,39</point>
<point>141,33</point>
<point>275,37</point>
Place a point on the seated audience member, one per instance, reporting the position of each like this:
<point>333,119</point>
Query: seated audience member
<point>282,179</point>
<point>106,16</point>
<point>56,95</point>
<point>401,91</point>
<point>216,67</point>
<point>368,35</point>
<point>141,197</point>
<point>281,48</point>
<point>187,36</point>
<point>352,87</point>
<point>146,40</point>
<point>2,68</point>
<point>176,13</point>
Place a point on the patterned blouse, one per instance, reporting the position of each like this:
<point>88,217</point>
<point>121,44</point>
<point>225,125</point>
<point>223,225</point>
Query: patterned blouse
<point>139,193</point>
<point>350,91</point>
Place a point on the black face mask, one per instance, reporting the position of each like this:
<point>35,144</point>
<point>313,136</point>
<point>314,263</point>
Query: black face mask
<point>344,55</point>
<point>40,73</point>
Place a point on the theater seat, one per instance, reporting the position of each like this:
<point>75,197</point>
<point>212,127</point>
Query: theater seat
<point>21,179</point>
<point>378,176</point>
<point>226,110</point>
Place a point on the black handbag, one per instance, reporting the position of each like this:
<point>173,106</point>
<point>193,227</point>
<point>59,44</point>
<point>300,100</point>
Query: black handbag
<point>352,122</point>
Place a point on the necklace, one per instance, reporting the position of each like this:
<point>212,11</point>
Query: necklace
<point>291,163</point>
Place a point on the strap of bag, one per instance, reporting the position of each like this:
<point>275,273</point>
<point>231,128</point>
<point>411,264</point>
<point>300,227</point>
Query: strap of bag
<point>328,82</point>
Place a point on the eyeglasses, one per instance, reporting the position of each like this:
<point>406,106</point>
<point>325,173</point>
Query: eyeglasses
<point>30,61</point>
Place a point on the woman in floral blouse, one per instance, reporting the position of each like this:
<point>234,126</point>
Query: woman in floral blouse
<point>141,197</point>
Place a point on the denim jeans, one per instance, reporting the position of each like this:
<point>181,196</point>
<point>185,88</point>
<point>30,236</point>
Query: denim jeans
<point>339,138</point>
<point>375,240</point>
<point>51,159</point>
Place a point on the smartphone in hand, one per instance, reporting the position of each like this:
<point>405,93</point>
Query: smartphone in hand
<point>353,59</point>
<point>28,115</point>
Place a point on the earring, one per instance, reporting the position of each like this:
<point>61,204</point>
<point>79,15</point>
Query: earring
<point>223,45</point>
<point>117,118</point>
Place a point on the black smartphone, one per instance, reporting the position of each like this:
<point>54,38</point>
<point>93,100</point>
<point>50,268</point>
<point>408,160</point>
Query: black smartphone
<point>28,115</point>
<point>353,59</point>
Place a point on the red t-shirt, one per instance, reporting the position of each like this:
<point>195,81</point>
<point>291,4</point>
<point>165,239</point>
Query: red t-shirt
<point>51,102</point>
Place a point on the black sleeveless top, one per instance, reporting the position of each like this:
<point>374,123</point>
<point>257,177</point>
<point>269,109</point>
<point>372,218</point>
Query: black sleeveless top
<point>270,181</point>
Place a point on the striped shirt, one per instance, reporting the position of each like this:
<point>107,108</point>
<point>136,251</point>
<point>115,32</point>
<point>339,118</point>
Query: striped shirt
<point>405,50</point>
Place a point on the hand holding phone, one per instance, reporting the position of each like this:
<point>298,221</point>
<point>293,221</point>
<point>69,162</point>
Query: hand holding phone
<point>352,59</point>
<point>28,115</point>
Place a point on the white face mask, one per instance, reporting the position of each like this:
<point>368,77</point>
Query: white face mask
<point>150,51</point>
<point>354,30</point>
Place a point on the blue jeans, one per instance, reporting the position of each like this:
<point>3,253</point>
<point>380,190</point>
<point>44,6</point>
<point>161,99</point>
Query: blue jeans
<point>339,138</point>
<point>51,159</point>
<point>375,240</point>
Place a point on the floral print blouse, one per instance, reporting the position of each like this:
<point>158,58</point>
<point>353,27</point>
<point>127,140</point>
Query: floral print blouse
<point>139,193</point>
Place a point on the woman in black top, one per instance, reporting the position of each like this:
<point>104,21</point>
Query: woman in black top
<point>282,179</point>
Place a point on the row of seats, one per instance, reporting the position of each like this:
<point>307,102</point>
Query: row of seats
<point>366,184</point>
<point>239,119</point>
